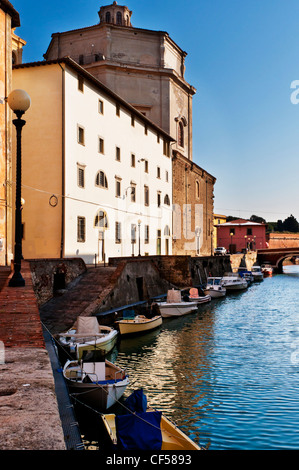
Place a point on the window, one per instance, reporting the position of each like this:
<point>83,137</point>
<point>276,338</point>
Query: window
<point>146,195</point>
<point>101,145</point>
<point>117,110</point>
<point>197,189</point>
<point>80,83</point>
<point>166,176</point>
<point>166,148</point>
<point>117,232</point>
<point>81,229</point>
<point>181,134</point>
<point>133,160</point>
<point>146,234</point>
<point>167,231</point>
<point>101,219</point>
<point>117,187</point>
<point>81,135</point>
<point>118,18</point>
<point>166,200</point>
<point>133,192</point>
<point>117,154</point>
<point>249,231</point>
<point>158,172</point>
<point>158,198</point>
<point>133,233</point>
<point>101,180</point>
<point>146,166</point>
<point>80,176</point>
<point>101,107</point>
<point>108,17</point>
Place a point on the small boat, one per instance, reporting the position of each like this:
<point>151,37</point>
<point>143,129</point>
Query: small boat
<point>214,287</point>
<point>97,384</point>
<point>87,339</point>
<point>247,275</point>
<point>257,273</point>
<point>267,269</point>
<point>138,324</point>
<point>233,282</point>
<point>194,296</point>
<point>175,306</point>
<point>145,429</point>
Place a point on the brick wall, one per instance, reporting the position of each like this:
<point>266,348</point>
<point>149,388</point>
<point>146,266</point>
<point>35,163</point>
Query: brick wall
<point>193,199</point>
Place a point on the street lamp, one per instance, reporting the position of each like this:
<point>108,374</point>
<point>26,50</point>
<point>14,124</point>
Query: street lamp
<point>19,101</point>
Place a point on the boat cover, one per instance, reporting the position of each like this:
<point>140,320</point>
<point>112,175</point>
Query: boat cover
<point>137,401</point>
<point>87,325</point>
<point>139,431</point>
<point>174,296</point>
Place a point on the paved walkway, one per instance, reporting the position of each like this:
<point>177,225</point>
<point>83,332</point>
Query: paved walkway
<point>20,324</point>
<point>29,412</point>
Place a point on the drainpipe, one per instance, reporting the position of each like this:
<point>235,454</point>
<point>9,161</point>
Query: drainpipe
<point>62,247</point>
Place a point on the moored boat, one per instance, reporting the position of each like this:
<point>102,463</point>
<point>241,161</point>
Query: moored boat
<point>87,339</point>
<point>214,287</point>
<point>138,324</point>
<point>145,429</point>
<point>175,306</point>
<point>234,282</point>
<point>257,273</point>
<point>97,384</point>
<point>267,269</point>
<point>194,296</point>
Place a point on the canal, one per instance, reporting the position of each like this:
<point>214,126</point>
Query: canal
<point>228,375</point>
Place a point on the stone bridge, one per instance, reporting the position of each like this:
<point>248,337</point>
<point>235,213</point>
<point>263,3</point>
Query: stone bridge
<point>276,256</point>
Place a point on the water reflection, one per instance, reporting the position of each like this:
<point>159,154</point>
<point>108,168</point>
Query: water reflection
<point>226,374</point>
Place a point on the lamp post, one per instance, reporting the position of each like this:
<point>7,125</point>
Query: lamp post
<point>19,101</point>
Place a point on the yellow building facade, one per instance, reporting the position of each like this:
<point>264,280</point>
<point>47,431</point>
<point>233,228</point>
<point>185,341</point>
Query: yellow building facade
<point>218,219</point>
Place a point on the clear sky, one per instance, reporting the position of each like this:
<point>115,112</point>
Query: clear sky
<point>243,56</point>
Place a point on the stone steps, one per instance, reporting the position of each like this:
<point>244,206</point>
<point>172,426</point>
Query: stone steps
<point>80,298</point>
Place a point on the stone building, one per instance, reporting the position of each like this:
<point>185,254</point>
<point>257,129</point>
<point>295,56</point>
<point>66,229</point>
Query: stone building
<point>9,19</point>
<point>147,69</point>
<point>97,173</point>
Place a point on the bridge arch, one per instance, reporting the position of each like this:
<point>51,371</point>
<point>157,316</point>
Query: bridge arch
<point>276,256</point>
<point>279,262</point>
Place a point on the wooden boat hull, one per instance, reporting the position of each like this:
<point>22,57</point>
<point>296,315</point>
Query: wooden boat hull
<point>100,395</point>
<point>176,309</point>
<point>172,437</point>
<point>139,324</point>
<point>89,347</point>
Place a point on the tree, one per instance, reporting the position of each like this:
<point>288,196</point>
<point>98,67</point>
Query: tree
<point>290,224</point>
<point>256,218</point>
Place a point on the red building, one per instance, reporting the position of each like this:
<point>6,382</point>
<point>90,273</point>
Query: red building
<point>240,235</point>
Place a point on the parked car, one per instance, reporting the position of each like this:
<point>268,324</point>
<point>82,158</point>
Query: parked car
<point>220,250</point>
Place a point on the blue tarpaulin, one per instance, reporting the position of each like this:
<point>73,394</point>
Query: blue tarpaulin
<point>139,431</point>
<point>137,401</point>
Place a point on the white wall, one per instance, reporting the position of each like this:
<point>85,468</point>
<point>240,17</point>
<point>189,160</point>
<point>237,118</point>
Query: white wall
<point>82,109</point>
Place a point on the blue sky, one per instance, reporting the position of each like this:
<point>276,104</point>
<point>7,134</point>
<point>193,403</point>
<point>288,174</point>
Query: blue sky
<point>242,58</point>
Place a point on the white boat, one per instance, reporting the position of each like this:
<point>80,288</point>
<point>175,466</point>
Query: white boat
<point>88,339</point>
<point>214,287</point>
<point>144,429</point>
<point>175,306</point>
<point>97,384</point>
<point>233,282</point>
<point>199,299</point>
<point>257,273</point>
<point>138,324</point>
<point>267,269</point>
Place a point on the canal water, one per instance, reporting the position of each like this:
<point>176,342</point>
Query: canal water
<point>228,375</point>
